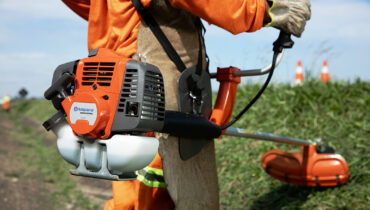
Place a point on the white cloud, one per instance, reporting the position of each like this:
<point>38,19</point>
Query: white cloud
<point>36,36</point>
<point>32,70</point>
<point>20,66</point>
<point>346,19</point>
<point>4,57</point>
<point>343,19</point>
<point>20,9</point>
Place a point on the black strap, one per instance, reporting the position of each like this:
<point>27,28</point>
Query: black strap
<point>200,59</point>
<point>165,43</point>
<point>161,37</point>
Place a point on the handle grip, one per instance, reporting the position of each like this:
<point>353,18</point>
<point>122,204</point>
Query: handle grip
<point>59,85</point>
<point>283,41</point>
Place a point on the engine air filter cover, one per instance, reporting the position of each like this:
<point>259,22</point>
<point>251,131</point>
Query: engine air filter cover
<point>87,114</point>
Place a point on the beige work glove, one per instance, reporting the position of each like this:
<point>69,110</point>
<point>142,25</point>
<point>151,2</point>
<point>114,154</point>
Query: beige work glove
<point>290,15</point>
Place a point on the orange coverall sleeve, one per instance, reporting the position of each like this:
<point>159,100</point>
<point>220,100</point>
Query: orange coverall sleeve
<point>80,7</point>
<point>235,16</point>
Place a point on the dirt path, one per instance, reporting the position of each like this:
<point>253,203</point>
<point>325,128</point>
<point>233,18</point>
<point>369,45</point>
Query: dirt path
<point>18,189</point>
<point>21,188</point>
<point>96,189</point>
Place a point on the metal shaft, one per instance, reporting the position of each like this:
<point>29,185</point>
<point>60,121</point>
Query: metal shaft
<point>238,132</point>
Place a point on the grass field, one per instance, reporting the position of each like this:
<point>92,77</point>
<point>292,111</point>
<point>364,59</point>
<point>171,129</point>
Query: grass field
<point>337,112</point>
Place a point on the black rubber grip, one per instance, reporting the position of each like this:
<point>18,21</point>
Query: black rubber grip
<point>189,126</point>
<point>283,41</point>
<point>59,85</point>
<point>53,120</point>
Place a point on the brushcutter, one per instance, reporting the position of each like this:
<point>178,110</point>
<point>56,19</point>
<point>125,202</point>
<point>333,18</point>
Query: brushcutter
<point>114,104</point>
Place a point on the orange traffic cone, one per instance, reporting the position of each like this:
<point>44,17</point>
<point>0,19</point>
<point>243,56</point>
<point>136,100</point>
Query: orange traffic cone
<point>298,74</point>
<point>324,76</point>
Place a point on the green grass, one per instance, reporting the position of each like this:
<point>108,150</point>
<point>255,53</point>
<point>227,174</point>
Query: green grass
<point>36,109</point>
<point>337,112</point>
<point>45,160</point>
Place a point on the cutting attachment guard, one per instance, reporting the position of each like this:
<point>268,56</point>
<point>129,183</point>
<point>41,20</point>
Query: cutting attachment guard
<point>307,167</point>
<point>314,166</point>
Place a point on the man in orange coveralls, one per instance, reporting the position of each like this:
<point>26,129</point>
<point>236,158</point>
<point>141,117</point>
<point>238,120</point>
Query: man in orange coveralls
<point>116,24</point>
<point>6,102</point>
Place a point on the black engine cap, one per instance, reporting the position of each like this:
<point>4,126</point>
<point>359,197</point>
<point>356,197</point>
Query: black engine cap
<point>53,120</point>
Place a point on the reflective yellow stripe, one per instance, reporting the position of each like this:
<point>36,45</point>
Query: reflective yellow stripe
<point>151,177</point>
<point>156,171</point>
<point>149,182</point>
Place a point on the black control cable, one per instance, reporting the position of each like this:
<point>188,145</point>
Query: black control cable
<point>257,96</point>
<point>283,41</point>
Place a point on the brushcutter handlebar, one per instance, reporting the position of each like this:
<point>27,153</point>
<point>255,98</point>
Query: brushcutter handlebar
<point>254,72</point>
<point>283,41</point>
<point>229,78</point>
<point>258,72</point>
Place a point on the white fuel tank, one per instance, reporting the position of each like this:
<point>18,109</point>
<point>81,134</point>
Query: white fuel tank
<point>105,158</point>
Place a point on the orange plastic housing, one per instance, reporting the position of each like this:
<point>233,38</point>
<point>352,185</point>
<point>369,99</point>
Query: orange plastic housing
<point>223,109</point>
<point>98,80</point>
<point>307,167</point>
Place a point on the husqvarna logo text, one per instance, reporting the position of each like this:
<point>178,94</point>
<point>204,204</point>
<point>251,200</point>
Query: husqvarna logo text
<point>83,111</point>
<point>80,109</point>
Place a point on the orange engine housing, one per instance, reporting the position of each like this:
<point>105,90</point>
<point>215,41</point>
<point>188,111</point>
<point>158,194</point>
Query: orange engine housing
<point>98,83</point>
<point>107,87</point>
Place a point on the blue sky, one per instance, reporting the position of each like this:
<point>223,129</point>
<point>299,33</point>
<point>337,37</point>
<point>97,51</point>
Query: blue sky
<point>36,36</point>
